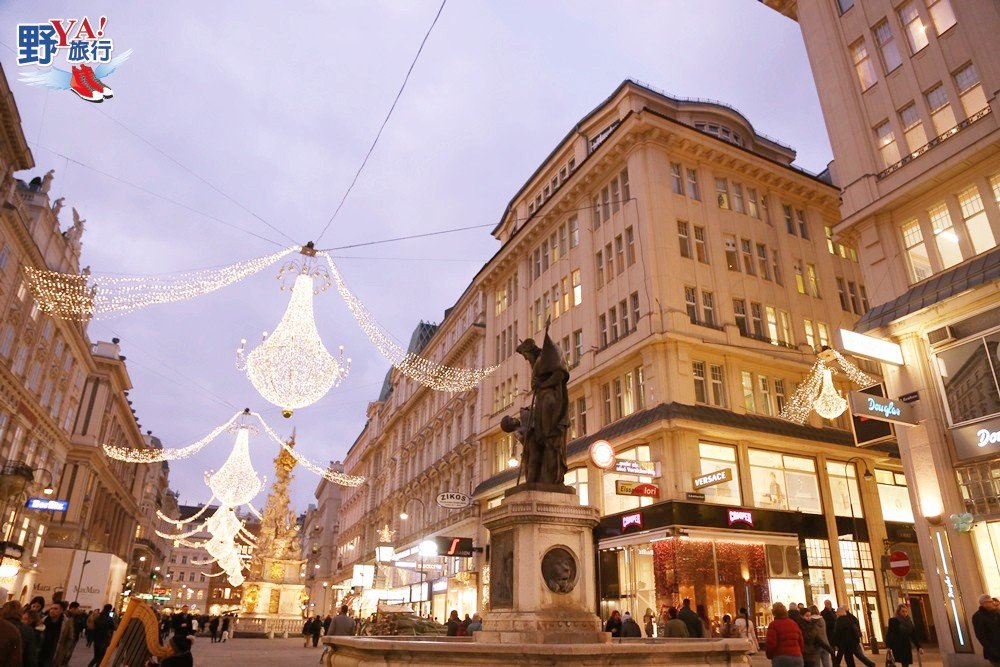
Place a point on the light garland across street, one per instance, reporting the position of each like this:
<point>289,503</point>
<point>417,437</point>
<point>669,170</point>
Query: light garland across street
<point>81,297</point>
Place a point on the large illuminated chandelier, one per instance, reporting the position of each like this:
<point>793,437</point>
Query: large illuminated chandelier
<point>292,368</point>
<point>81,297</point>
<point>818,393</point>
<point>242,470</point>
<point>226,532</point>
<point>236,482</point>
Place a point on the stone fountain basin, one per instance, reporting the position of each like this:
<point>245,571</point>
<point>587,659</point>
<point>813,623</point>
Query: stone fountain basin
<point>438,651</point>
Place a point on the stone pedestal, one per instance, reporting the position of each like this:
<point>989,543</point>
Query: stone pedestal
<point>542,580</point>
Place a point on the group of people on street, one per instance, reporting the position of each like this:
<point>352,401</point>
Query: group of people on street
<point>463,627</point>
<point>220,628</point>
<point>683,622</point>
<point>40,635</point>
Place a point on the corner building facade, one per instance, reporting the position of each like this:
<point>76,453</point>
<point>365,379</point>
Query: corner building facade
<point>908,92</point>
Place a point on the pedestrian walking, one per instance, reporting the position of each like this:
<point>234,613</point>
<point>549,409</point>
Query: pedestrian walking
<point>784,642</point>
<point>326,624</point>
<point>182,622</point>
<point>317,630</point>
<point>901,637</point>
<point>104,630</point>
<point>343,625</point>
<point>746,630</point>
<point>829,615</point>
<point>986,625</point>
<point>690,619</point>
<point>225,627</point>
<point>306,631</point>
<point>57,636</point>
<point>814,642</point>
<point>816,618</point>
<point>629,627</point>
<point>213,629</point>
<point>647,621</point>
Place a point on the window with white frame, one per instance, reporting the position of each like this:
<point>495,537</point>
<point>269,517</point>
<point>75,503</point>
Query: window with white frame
<point>977,225</point>
<point>578,479</point>
<point>613,502</point>
<point>886,141</point>
<point>945,236</point>
<point>893,497</point>
<point>786,482</point>
<point>942,14</point>
<point>693,190</point>
<point>917,258</point>
<point>913,26</point>
<point>844,490</point>
<point>677,178</point>
<point>887,46</point>
<point>913,127</point>
<point>970,90</point>
<point>863,64</point>
<point>722,193</point>
<point>683,238</point>
<point>746,382</point>
<point>700,247</point>
<point>732,255</point>
<point>942,115</point>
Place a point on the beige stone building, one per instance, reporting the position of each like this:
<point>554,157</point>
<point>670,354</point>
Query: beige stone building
<point>689,274</point>
<point>61,397</point>
<point>320,530</point>
<point>908,92</point>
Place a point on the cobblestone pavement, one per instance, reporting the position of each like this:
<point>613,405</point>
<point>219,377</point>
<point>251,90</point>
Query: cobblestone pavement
<point>236,653</point>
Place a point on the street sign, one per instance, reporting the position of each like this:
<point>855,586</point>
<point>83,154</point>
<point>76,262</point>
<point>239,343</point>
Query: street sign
<point>713,478</point>
<point>694,496</point>
<point>47,504</point>
<point>452,500</point>
<point>623,488</point>
<point>899,563</point>
<point>455,547</point>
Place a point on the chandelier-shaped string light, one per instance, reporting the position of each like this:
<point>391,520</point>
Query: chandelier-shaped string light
<point>236,482</point>
<point>818,393</point>
<point>81,297</point>
<point>425,371</point>
<point>226,533</point>
<point>292,368</point>
<point>133,455</point>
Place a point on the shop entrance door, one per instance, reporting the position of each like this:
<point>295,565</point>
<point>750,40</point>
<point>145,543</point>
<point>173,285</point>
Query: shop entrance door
<point>864,606</point>
<point>923,621</point>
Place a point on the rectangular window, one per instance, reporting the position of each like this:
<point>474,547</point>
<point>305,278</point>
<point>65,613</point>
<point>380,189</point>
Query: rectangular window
<point>606,400</point>
<point>677,178</point>
<point>941,113</point>
<point>599,260</point>
<point>786,327</point>
<point>620,253</point>
<point>623,314</point>
<point>969,376</point>
<point>863,64</point>
<point>813,279</point>
<point>844,489</point>
<point>970,90</point>
<point>691,303</point>
<point>545,255</point>
<point>789,221</point>
<point>700,247</point>
<point>885,139</point>
<point>616,196</point>
<point>746,380</point>
<point>913,27</point>
<point>577,346</point>
<point>942,14</point>
<point>752,208</point>
<point>683,238</point>
<point>635,309</point>
<point>842,294</point>
<point>779,394</point>
<point>810,333</point>
<point>800,282</point>
<point>700,386</point>
<point>746,249</point>
<point>976,223</point>
<point>945,236</point>
<point>716,458</point>
<point>581,416</point>
<point>757,319</point>
<point>887,46</point>
<point>602,327</point>
<point>764,387</point>
<point>824,334</point>
<point>574,232</point>
<point>762,263</point>
<point>782,481</point>
<point>626,191</point>
<point>722,193</point>
<point>800,215</point>
<point>772,324</point>
<point>577,288</point>
<point>738,198</point>
<point>732,256</point>
<point>609,262</point>
<point>740,310</point>
<point>605,204</point>
<point>630,245</point>
<point>597,212</point>
<point>708,307</point>
<point>718,386</point>
<point>776,266</point>
<point>916,252</point>
<point>765,209</point>
<point>554,245</point>
<point>913,127</point>
<point>613,321</point>
<point>692,185</point>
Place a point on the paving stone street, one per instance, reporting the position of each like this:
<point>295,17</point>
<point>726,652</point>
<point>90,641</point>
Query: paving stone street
<point>236,653</point>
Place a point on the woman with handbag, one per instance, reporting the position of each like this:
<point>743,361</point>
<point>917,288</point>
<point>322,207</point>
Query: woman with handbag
<point>901,637</point>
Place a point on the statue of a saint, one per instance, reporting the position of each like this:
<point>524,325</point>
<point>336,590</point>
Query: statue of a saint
<point>47,180</point>
<point>74,233</point>
<point>541,429</point>
<point>57,206</point>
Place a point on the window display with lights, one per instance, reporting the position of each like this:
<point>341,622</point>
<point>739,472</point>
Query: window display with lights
<point>782,481</point>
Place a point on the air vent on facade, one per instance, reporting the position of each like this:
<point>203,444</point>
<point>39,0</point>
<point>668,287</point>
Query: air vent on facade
<point>940,336</point>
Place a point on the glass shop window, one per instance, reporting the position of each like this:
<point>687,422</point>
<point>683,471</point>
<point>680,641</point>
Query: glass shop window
<point>612,501</point>
<point>892,495</point>
<point>969,376</point>
<point>844,489</point>
<point>785,482</point>
<point>713,459</point>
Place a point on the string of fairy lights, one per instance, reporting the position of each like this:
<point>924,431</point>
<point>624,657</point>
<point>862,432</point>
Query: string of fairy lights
<point>818,393</point>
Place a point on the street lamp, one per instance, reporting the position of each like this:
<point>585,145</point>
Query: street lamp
<point>420,549</point>
<point>868,477</point>
<point>325,584</point>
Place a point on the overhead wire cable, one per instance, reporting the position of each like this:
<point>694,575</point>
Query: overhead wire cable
<point>371,149</point>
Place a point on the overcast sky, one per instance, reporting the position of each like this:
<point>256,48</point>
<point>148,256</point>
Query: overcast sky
<point>277,109</point>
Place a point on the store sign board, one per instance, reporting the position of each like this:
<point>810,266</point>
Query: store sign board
<point>457,547</point>
<point>642,468</point>
<point>623,488</point>
<point>632,520</point>
<point>870,406</point>
<point>740,517</point>
<point>870,347</point>
<point>694,496</point>
<point>452,500</point>
<point>47,504</point>
<point>977,439</point>
<point>713,478</point>
<point>363,576</point>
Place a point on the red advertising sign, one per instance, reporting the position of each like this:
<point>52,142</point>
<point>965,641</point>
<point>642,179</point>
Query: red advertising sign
<point>899,563</point>
<point>623,488</point>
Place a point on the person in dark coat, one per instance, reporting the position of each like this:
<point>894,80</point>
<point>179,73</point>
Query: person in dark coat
<point>181,644</point>
<point>453,623</point>
<point>847,637</point>
<point>614,624</point>
<point>317,630</point>
<point>986,625</point>
<point>813,639</point>
<point>829,615</point>
<point>901,636</point>
<point>11,644</point>
<point>690,619</point>
<point>326,624</point>
<point>14,613</point>
<point>213,628</point>
<point>182,622</point>
<point>629,627</point>
<point>104,629</point>
<point>57,636</point>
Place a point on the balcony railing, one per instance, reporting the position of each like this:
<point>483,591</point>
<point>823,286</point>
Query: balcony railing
<point>982,113</point>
